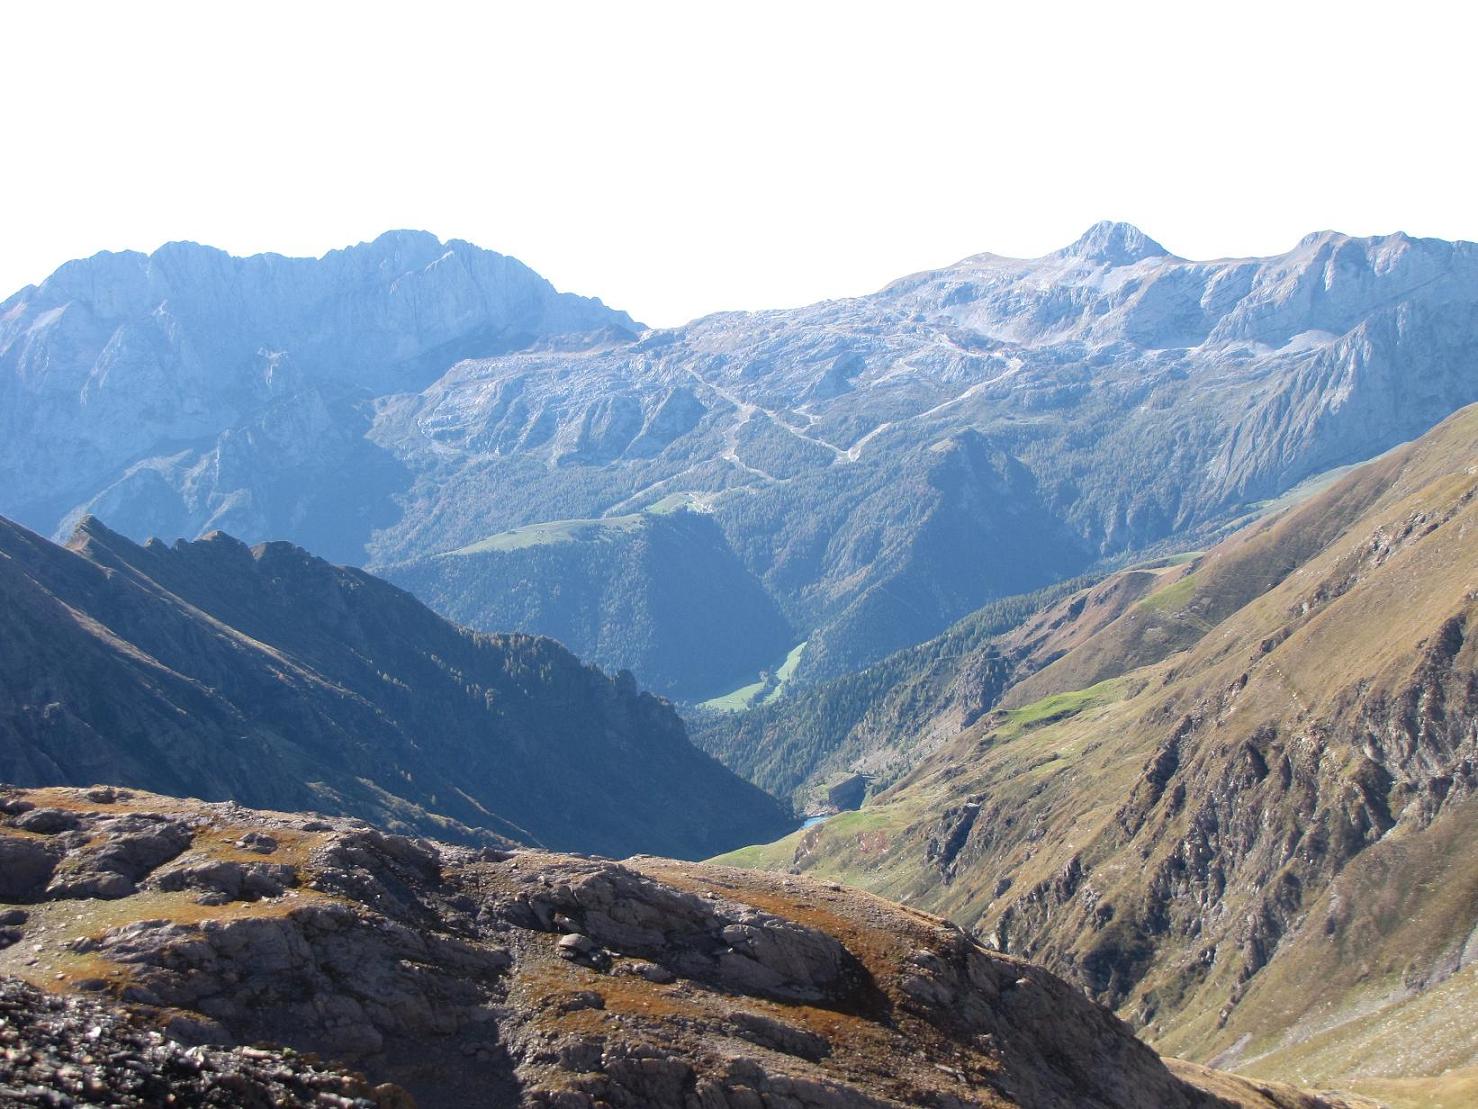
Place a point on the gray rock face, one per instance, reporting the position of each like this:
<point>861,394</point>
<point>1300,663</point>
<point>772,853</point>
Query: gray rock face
<point>25,868</point>
<point>118,852</point>
<point>734,945</point>
<point>187,390</point>
<point>47,822</point>
<point>230,880</point>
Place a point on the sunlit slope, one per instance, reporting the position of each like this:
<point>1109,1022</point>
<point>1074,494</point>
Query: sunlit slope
<point>1240,812</point>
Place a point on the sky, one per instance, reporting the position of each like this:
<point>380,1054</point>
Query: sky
<point>679,159</point>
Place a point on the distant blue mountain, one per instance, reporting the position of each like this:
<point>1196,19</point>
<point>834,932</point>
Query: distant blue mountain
<point>877,466</point>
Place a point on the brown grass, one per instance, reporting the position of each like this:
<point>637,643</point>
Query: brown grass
<point>56,924</point>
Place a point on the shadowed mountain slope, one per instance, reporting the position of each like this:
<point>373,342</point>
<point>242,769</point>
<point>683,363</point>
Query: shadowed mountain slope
<point>658,593</point>
<point>267,676</point>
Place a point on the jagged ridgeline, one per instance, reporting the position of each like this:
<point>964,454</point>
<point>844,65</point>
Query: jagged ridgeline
<point>1231,796</point>
<point>877,467</point>
<point>270,677</point>
<point>1241,809</point>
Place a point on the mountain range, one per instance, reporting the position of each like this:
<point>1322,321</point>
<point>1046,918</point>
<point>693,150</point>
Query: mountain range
<point>1114,606</point>
<point>1233,796</point>
<point>877,467</point>
<point>187,391</point>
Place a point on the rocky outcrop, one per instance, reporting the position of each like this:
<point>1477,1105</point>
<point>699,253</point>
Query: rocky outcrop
<point>613,910</point>
<point>520,978</point>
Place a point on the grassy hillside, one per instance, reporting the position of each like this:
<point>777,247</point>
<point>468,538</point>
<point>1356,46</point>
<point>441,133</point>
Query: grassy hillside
<point>1241,811</point>
<point>877,721</point>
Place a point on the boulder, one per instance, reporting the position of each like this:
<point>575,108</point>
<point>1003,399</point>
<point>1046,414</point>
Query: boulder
<point>25,868</point>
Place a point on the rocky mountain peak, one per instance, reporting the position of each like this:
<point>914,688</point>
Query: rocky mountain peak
<point>91,533</point>
<point>1118,244</point>
<point>403,239</point>
<point>407,251</point>
<point>1315,239</point>
<point>89,525</point>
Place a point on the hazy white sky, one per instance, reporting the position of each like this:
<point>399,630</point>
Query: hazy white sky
<point>685,158</point>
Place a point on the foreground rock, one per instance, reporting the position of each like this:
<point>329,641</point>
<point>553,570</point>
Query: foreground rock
<point>482,977</point>
<point>74,1050</point>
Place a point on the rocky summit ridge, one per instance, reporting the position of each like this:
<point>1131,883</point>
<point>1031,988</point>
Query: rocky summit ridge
<point>191,373</point>
<point>276,950</point>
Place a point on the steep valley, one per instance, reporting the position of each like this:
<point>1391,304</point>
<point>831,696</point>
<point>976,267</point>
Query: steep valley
<point>1116,607</point>
<point>657,593</point>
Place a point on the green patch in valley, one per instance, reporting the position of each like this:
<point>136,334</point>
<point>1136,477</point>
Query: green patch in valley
<point>767,689</point>
<point>1169,562</point>
<point>552,531</point>
<point>673,502</point>
<point>852,822</point>
<point>786,672</point>
<point>761,856</point>
<point>736,700</point>
<point>575,531</point>
<point>848,829</point>
<point>1058,707</point>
